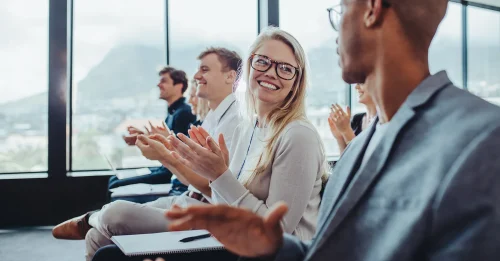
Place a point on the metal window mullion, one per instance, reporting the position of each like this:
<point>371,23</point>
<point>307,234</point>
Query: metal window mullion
<point>267,13</point>
<point>465,57</point>
<point>349,95</point>
<point>167,33</point>
<point>273,12</point>
<point>70,83</point>
<point>258,16</point>
<point>58,82</point>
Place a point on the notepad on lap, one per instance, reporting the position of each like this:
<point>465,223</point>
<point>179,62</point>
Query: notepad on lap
<point>140,189</point>
<point>165,243</point>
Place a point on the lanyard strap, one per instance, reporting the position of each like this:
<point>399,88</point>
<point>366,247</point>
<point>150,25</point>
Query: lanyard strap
<point>222,116</point>
<point>248,150</point>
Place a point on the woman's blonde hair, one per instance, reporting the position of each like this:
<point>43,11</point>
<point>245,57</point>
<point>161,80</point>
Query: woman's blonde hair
<point>291,109</point>
<point>202,107</point>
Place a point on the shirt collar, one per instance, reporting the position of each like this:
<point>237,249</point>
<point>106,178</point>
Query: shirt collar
<point>223,107</point>
<point>174,106</point>
<point>427,88</point>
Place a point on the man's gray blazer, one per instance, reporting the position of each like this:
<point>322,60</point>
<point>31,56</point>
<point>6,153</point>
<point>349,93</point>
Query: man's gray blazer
<point>429,191</point>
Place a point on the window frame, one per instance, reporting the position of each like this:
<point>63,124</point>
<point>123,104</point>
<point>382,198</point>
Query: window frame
<point>41,196</point>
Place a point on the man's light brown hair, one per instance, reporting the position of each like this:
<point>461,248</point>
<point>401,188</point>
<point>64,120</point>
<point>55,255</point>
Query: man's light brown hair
<point>230,60</point>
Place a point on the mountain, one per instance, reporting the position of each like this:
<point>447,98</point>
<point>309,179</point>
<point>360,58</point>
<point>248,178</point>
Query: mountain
<point>125,71</point>
<point>130,72</point>
<point>36,103</point>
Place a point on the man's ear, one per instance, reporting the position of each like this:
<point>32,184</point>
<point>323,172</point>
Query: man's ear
<point>231,76</point>
<point>373,15</point>
<point>178,86</point>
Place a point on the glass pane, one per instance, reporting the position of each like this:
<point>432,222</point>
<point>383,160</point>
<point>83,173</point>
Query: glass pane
<point>217,23</point>
<point>23,85</point>
<point>446,49</point>
<point>119,47</point>
<point>309,23</point>
<point>484,53</point>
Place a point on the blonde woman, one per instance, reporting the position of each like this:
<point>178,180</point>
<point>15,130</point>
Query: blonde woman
<point>199,106</point>
<point>276,153</point>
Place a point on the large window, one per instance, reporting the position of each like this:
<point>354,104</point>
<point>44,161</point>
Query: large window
<point>198,24</point>
<point>484,53</point>
<point>446,48</point>
<point>23,85</point>
<point>119,47</point>
<point>308,22</point>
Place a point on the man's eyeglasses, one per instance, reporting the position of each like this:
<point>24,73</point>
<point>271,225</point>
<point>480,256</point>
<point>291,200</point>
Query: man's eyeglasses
<point>335,14</point>
<point>262,63</point>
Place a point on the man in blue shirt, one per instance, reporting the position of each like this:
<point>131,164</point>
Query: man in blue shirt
<point>173,83</point>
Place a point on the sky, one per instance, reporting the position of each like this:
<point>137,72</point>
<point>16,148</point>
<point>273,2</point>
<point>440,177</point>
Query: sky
<point>100,25</point>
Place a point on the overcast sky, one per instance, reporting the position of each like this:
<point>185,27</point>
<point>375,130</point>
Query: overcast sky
<point>99,25</point>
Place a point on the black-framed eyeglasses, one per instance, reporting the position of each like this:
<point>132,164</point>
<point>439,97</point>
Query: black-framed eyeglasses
<point>262,63</point>
<point>335,13</point>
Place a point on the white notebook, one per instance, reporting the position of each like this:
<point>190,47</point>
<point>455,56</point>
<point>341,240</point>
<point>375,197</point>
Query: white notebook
<point>165,243</point>
<point>140,189</point>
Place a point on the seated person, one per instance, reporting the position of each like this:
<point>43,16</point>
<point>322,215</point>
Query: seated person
<point>338,120</point>
<point>266,162</point>
<point>216,75</point>
<point>173,83</point>
<point>199,106</point>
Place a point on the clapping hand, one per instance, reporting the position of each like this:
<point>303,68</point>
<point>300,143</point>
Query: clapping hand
<point>340,118</point>
<point>333,128</point>
<point>162,130</point>
<point>132,137</point>
<point>209,161</point>
<point>200,135</point>
<point>133,130</point>
<point>156,147</point>
<point>239,230</point>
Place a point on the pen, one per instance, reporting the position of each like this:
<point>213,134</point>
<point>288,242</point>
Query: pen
<point>189,239</point>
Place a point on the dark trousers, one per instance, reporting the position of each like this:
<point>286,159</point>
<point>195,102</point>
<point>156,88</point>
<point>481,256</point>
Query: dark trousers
<point>113,253</point>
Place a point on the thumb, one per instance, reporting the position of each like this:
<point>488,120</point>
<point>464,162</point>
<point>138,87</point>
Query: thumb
<point>163,141</point>
<point>140,144</point>
<point>349,111</point>
<point>275,214</point>
<point>142,139</point>
<point>213,146</point>
<point>330,121</point>
<point>223,148</point>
